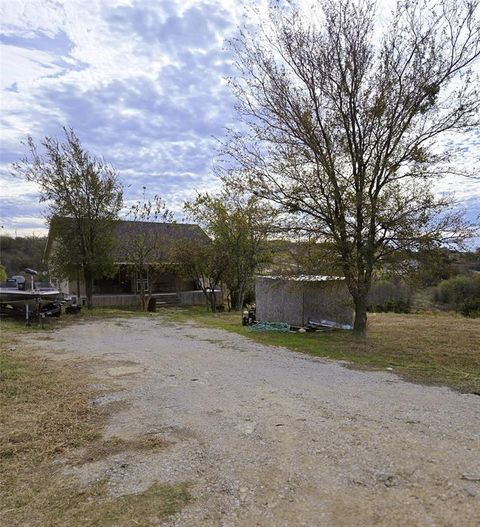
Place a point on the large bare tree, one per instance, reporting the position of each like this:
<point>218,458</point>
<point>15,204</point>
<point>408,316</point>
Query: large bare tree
<point>344,120</point>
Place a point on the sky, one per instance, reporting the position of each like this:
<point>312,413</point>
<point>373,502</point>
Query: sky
<point>142,83</point>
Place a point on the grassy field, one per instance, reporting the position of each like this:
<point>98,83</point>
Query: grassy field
<point>437,348</point>
<point>46,417</point>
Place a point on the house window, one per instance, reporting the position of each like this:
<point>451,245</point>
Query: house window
<point>142,282</point>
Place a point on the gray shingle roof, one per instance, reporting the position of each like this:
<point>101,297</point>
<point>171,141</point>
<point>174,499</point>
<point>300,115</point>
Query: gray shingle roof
<point>165,233</point>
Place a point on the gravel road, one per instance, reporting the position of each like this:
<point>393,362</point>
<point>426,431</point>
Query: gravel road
<point>270,437</point>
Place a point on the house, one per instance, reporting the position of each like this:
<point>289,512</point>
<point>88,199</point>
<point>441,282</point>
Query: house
<point>299,299</point>
<point>123,288</point>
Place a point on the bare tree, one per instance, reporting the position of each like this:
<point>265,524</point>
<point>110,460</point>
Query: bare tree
<point>83,196</point>
<point>142,245</point>
<point>342,122</point>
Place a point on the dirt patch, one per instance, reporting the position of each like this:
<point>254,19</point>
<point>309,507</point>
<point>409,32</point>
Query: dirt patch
<point>114,446</point>
<point>120,371</point>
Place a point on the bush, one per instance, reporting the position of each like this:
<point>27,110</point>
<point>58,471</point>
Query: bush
<point>389,296</point>
<point>392,305</point>
<point>249,297</point>
<point>457,290</point>
<point>471,308</point>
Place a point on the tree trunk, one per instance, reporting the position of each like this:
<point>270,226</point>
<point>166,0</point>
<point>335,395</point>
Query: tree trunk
<point>229,302</point>
<point>148,297</point>
<point>143,301</point>
<point>233,298</point>
<point>207,298</point>
<point>213,300</point>
<point>88,277</point>
<point>240,299</point>
<point>360,323</point>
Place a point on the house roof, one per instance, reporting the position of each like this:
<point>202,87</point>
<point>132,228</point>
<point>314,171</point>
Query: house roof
<point>168,233</point>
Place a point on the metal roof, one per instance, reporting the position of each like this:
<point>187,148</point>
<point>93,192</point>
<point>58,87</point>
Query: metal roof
<point>304,278</point>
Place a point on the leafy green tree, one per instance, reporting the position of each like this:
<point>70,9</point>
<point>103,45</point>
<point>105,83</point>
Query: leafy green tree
<point>239,224</point>
<point>203,262</point>
<point>83,197</point>
<point>341,121</point>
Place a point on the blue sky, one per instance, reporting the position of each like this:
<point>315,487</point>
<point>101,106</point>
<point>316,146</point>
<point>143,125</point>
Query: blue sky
<point>143,85</point>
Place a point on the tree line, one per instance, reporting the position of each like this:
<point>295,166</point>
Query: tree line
<point>19,252</point>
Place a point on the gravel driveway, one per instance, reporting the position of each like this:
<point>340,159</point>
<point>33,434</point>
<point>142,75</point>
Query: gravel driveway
<point>270,437</point>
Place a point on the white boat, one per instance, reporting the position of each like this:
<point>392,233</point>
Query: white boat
<point>8,295</point>
<point>16,300</point>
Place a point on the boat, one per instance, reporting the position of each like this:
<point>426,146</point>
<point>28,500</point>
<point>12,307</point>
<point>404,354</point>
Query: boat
<point>42,298</point>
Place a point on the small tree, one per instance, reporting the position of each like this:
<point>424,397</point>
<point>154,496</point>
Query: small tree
<point>83,196</point>
<point>342,120</point>
<point>203,262</point>
<point>239,224</point>
<point>141,245</point>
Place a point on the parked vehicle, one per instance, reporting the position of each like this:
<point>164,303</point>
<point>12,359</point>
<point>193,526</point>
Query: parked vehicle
<point>43,299</point>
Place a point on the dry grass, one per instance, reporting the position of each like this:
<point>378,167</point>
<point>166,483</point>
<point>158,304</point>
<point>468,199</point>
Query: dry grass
<point>434,348</point>
<point>145,509</point>
<point>116,445</point>
<point>46,416</point>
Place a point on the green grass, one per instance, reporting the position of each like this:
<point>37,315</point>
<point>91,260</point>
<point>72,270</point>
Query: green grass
<point>92,506</point>
<point>434,348</point>
<point>12,325</point>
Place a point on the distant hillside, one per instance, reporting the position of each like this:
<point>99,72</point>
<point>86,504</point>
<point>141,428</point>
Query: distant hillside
<point>18,253</point>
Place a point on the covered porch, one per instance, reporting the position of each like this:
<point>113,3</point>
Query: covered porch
<point>172,299</point>
<point>169,289</point>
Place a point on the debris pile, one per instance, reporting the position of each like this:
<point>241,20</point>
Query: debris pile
<point>270,326</point>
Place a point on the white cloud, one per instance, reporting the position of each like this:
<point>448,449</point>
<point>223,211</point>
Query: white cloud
<point>141,82</point>
<point>25,67</point>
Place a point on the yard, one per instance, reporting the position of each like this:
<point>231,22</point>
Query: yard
<point>122,418</point>
<point>47,421</point>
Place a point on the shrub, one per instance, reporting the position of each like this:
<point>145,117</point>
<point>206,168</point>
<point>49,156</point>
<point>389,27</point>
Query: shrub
<point>471,308</point>
<point>389,296</point>
<point>249,297</point>
<point>457,290</point>
<point>392,305</point>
